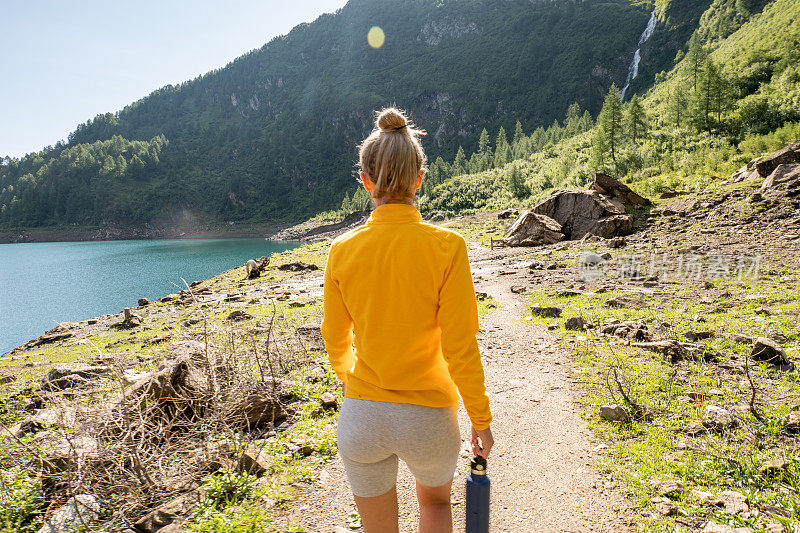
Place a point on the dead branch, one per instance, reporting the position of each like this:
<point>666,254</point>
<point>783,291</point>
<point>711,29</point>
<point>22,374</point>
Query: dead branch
<point>752,403</point>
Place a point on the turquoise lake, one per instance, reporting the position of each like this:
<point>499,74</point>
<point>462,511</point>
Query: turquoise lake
<point>42,284</point>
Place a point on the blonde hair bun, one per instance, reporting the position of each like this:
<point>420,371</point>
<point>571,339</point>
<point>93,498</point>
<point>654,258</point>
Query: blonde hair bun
<point>391,119</point>
<point>393,162</point>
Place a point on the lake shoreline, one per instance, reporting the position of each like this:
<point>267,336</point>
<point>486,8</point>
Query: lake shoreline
<point>79,234</point>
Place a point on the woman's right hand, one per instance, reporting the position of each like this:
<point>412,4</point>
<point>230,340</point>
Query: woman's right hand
<point>486,442</point>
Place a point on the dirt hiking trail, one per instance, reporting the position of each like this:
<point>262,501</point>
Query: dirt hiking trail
<point>542,466</point>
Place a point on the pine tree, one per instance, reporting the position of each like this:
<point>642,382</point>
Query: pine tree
<point>501,156</point>
<point>346,203</point>
<point>587,122</point>
<point>517,184</point>
<point>676,106</point>
<point>484,152</point>
<point>571,121</point>
<point>709,87</point>
<point>460,165</point>
<point>636,120</point>
<point>696,57</point>
<point>518,141</point>
<point>610,121</point>
<point>599,149</point>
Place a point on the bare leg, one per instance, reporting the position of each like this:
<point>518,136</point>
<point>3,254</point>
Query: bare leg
<point>379,513</point>
<point>435,512</point>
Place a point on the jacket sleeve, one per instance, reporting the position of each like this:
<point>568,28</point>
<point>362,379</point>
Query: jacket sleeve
<point>458,320</point>
<point>337,324</point>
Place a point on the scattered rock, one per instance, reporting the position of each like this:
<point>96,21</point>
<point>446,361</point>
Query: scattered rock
<point>769,351</point>
<point>78,509</point>
<point>776,336</point>
<point>239,315</point>
<point>254,460</point>
<point>743,339</point>
<point>695,428</point>
<point>676,350</point>
<point>58,333</point>
<point>706,497</point>
<point>507,213</point>
<point>297,266</point>
<point>719,419</point>
<point>698,335</point>
<point>575,323</point>
<point>713,527</point>
<point>670,489</point>
<point>774,527</point>
<point>70,375</point>
<point>63,417</point>
<point>165,515</point>
<point>328,400</point>
<point>605,184</point>
<point>518,289</point>
<point>734,502</point>
<point>774,466</point>
<point>547,312</point>
<point>679,207</point>
<point>567,292</point>
<point>533,229</point>
<point>616,242</point>
<point>664,506</point>
<point>793,422</point>
<point>614,413</point>
<point>626,302</point>
<point>69,453</point>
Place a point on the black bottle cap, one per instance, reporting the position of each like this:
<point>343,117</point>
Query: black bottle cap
<point>478,465</point>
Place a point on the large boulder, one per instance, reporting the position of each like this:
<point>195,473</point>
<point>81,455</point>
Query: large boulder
<point>605,184</point>
<point>783,178</point>
<point>581,212</point>
<point>532,229</point>
<point>788,154</point>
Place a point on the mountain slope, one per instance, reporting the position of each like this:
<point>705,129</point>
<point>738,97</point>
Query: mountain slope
<point>271,137</point>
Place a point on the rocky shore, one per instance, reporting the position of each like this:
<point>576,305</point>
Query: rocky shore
<point>114,233</point>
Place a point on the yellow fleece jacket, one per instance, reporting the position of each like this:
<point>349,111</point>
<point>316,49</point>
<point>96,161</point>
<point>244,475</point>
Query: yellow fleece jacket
<point>402,290</point>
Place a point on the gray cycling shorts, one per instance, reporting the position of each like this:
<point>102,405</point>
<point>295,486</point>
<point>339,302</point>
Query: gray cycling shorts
<point>372,436</point>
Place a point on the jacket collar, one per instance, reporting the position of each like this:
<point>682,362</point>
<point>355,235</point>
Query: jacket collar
<point>395,213</point>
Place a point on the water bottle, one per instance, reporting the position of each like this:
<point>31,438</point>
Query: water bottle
<point>477,497</point>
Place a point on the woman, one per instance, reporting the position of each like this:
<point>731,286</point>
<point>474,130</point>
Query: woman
<point>402,290</point>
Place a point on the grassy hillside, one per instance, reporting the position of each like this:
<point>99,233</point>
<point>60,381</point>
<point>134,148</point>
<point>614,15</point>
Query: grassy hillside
<point>755,108</point>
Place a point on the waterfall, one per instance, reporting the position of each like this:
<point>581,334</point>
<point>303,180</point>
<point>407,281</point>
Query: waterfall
<point>633,69</point>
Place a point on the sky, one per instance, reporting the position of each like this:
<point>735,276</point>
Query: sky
<point>62,63</point>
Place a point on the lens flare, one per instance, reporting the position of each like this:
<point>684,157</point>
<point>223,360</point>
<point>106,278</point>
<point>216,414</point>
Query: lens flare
<point>376,37</point>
